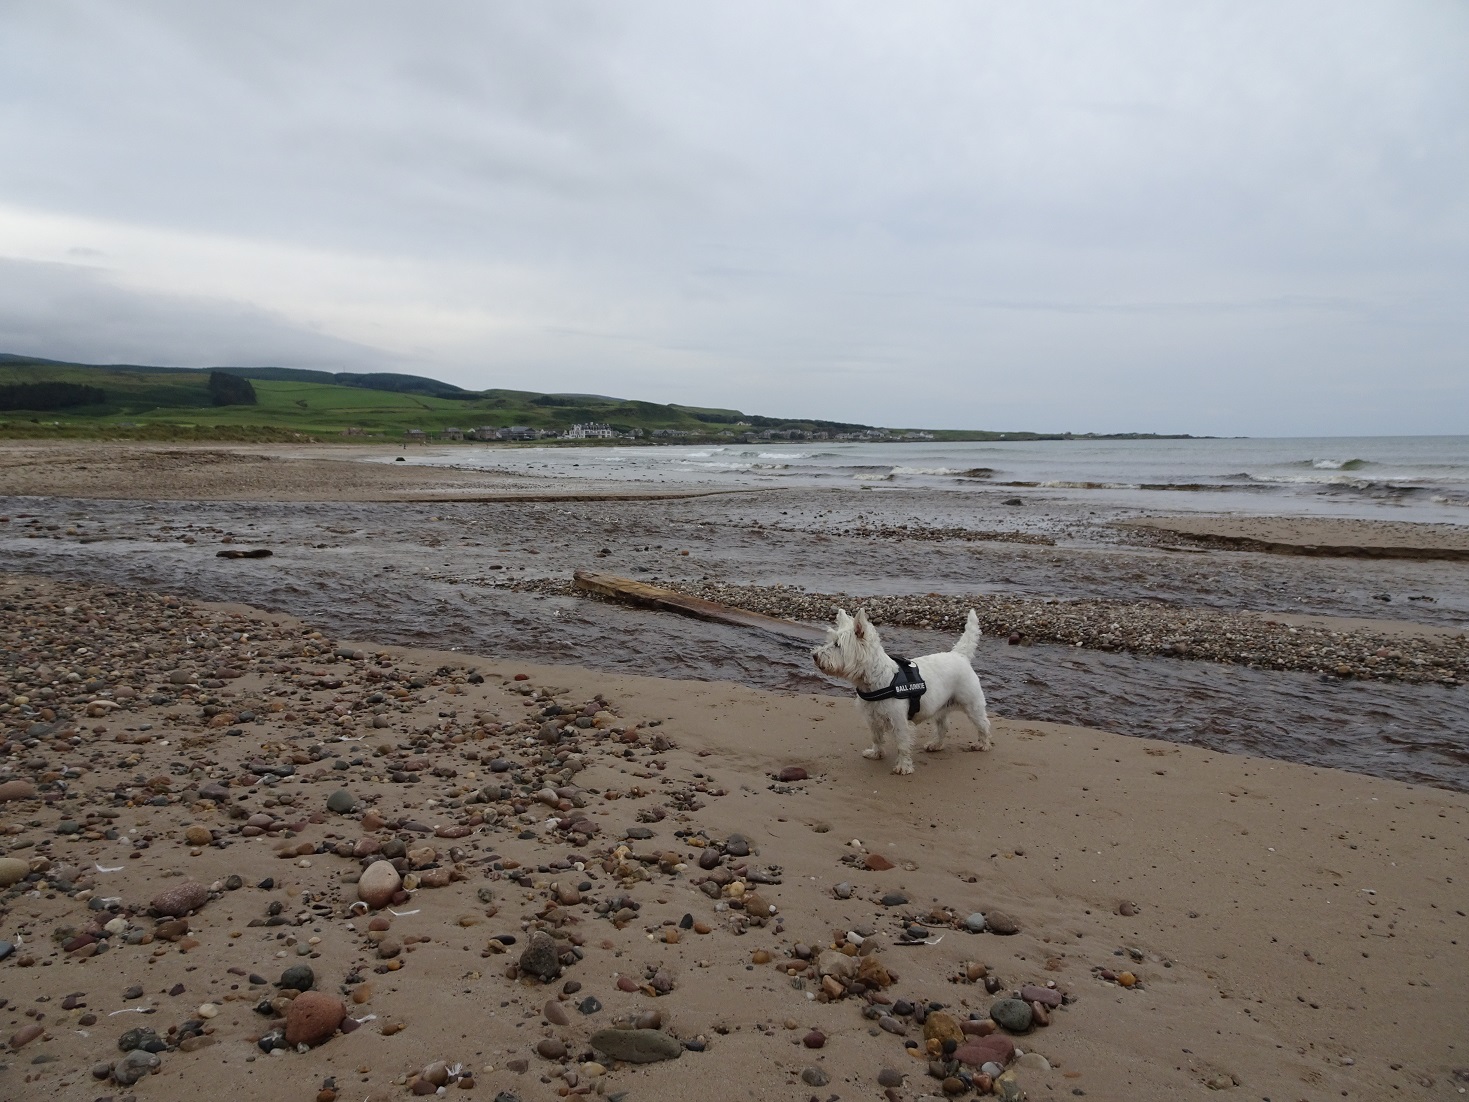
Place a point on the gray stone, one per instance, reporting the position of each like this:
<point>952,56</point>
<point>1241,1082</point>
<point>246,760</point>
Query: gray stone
<point>134,1066</point>
<point>540,958</point>
<point>637,1046</point>
<point>975,923</point>
<point>1012,1015</point>
<point>737,845</point>
<point>815,1077</point>
<point>341,801</point>
<point>300,977</point>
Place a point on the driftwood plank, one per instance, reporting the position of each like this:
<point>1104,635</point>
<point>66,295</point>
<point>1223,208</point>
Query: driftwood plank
<point>652,596</point>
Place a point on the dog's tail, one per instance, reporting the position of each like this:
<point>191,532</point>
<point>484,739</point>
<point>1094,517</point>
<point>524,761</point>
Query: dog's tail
<point>969,641</point>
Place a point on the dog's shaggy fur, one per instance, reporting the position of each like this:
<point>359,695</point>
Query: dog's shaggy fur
<point>853,652</point>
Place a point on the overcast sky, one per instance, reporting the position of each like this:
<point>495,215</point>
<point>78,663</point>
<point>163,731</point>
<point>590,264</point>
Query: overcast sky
<point>1232,218</point>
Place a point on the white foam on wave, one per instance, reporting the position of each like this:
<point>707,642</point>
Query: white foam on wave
<point>929,470</point>
<point>784,455</point>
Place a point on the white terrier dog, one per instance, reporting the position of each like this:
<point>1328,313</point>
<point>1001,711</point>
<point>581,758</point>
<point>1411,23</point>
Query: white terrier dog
<point>891,703</point>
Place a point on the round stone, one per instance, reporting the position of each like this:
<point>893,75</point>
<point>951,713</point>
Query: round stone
<point>378,882</point>
<point>12,871</point>
<point>975,923</point>
<point>312,1017</point>
<point>814,1039</point>
<point>341,801</point>
<point>888,1077</point>
<point>300,977</point>
<point>1013,1015</point>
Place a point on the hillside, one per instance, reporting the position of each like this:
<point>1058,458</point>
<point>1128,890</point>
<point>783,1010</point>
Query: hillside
<point>138,400</point>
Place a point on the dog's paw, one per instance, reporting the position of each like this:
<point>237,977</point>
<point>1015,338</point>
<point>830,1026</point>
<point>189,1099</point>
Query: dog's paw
<point>932,747</point>
<point>873,752</point>
<point>986,743</point>
<point>903,768</point>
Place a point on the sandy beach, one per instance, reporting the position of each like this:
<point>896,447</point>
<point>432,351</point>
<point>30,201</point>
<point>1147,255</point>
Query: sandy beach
<point>192,789</point>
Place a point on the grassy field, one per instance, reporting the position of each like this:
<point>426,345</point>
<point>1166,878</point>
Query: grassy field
<point>176,404</point>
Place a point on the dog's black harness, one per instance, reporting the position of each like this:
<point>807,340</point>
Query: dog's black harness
<point>906,683</point>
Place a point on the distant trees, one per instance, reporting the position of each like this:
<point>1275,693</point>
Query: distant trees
<point>230,390</point>
<point>44,396</point>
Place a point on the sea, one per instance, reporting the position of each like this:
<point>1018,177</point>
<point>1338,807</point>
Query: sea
<point>1415,478</point>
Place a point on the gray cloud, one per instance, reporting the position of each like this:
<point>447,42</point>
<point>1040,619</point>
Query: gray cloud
<point>1215,217</point>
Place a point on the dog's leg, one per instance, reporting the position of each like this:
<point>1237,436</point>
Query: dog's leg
<point>879,732</point>
<point>940,732</point>
<point>974,709</point>
<point>904,739</point>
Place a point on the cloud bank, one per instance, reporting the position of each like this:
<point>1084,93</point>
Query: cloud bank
<point>1215,218</point>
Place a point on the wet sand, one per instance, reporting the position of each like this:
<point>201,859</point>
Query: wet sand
<point>1289,932</point>
<point>1319,536</point>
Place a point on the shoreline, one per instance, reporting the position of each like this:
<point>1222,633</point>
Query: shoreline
<point>1288,928</point>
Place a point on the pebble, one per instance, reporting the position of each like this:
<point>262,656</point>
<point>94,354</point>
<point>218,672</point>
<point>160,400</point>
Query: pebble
<point>180,899</point>
<point>198,836</point>
<point>791,773</point>
<point>975,923</point>
<point>17,790</point>
<point>378,883</point>
<point>814,1039</point>
<point>133,1066</point>
<point>814,1077</point>
<point>1001,923</point>
<point>540,958</point>
<point>341,801</point>
<point>556,1013</point>
<point>1011,1014</point>
<point>551,1048</point>
<point>888,1077</point>
<point>636,1046</point>
<point>13,870</point>
<point>1047,996</point>
<point>978,1051</point>
<point>25,1036</point>
<point>312,1017</point>
<point>299,977</point>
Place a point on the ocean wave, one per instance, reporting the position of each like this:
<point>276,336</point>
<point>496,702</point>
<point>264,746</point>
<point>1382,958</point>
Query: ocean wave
<point>926,470</point>
<point>884,477</point>
<point>1093,485</point>
<point>784,455</point>
<point>1340,464</point>
<point>1310,480</point>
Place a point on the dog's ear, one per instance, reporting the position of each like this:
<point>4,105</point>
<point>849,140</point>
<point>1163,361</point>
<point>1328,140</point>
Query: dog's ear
<point>860,623</point>
<point>842,617</point>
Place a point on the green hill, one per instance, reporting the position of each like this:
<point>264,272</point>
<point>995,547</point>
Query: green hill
<point>138,400</point>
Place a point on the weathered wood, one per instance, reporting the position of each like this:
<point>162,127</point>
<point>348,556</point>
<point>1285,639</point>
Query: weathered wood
<point>652,596</point>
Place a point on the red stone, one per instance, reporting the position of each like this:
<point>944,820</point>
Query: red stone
<point>312,1017</point>
<point>982,1050</point>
